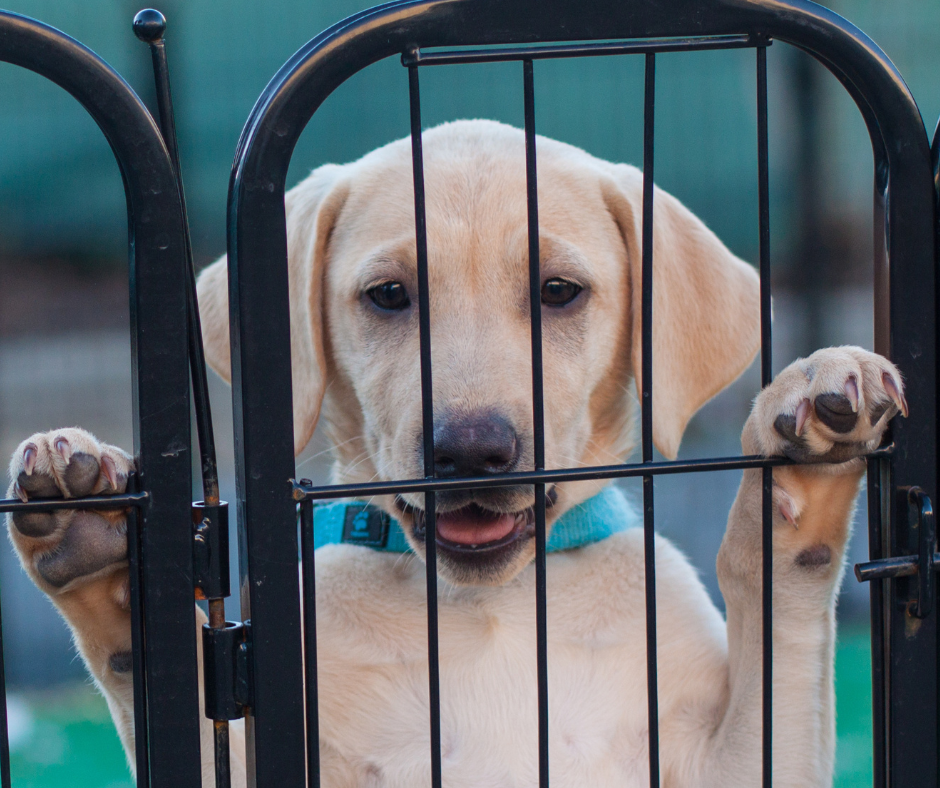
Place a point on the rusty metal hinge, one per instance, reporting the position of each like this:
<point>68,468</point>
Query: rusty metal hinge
<point>921,566</point>
<point>210,550</point>
<point>227,670</point>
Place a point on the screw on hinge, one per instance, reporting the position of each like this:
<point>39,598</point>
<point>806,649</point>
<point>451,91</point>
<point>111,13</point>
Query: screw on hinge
<point>923,565</point>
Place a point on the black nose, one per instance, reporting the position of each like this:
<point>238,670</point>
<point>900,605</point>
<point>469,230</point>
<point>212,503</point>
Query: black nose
<point>474,444</point>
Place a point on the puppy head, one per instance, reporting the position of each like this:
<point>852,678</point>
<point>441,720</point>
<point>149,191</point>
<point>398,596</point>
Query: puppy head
<point>354,318</point>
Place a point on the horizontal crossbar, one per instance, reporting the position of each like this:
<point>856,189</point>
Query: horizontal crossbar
<point>416,57</point>
<point>100,502</point>
<point>306,492</point>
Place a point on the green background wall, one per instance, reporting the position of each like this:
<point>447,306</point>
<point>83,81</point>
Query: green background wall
<point>60,191</point>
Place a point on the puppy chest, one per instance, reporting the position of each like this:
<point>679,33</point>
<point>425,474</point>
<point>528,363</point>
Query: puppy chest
<point>376,713</point>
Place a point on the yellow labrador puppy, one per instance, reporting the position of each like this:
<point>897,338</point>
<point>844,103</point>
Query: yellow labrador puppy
<point>355,366</point>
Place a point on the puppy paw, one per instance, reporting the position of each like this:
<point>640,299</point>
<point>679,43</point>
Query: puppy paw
<point>825,412</point>
<point>832,407</point>
<point>66,549</point>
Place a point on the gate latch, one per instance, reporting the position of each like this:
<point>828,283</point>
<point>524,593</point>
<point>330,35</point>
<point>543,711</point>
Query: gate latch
<point>226,654</point>
<point>923,565</point>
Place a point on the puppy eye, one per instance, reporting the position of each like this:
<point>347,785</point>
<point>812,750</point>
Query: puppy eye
<point>558,292</point>
<point>391,296</point>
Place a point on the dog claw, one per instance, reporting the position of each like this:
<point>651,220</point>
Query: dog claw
<point>64,448</point>
<point>851,392</point>
<point>894,391</point>
<point>20,492</point>
<point>29,459</point>
<point>109,470</point>
<point>802,414</point>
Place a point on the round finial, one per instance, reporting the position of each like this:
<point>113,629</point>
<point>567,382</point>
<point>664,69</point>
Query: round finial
<point>149,25</point>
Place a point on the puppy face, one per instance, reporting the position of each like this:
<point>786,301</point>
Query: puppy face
<point>355,329</point>
<point>480,337</point>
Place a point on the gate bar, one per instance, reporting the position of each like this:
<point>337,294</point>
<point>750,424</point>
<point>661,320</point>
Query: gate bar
<point>150,27</point>
<point>593,473</point>
<point>257,259</point>
<point>767,376</point>
<point>538,415</point>
<point>427,423</point>
<point>161,414</point>
<point>96,502</point>
<point>138,650</point>
<point>4,727</point>
<point>649,520</point>
<point>309,606</point>
<point>876,475</point>
<point>416,57</point>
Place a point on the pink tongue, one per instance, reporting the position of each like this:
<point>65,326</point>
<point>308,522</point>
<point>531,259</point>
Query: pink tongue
<point>462,527</point>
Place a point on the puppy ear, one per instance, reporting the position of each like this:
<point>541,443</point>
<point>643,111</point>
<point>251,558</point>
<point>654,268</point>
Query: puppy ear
<point>706,305</point>
<point>312,208</point>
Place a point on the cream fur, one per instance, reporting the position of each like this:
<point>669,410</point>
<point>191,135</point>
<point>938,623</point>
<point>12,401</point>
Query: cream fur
<point>352,225</point>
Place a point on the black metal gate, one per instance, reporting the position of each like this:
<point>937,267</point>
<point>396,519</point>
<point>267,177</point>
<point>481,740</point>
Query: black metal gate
<point>280,697</point>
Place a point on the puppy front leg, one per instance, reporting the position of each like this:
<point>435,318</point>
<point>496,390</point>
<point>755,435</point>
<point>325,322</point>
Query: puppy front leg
<point>828,410</point>
<point>79,560</point>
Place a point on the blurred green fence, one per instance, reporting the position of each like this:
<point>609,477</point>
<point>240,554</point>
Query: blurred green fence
<point>60,191</point>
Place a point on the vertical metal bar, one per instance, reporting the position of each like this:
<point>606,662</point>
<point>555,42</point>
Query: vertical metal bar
<point>150,27</point>
<point>427,414</point>
<point>4,727</point>
<point>538,416</point>
<point>876,590</point>
<point>309,603</point>
<point>138,653</point>
<point>766,378</point>
<point>649,520</point>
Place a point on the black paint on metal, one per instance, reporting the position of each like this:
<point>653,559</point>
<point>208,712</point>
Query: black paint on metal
<point>138,651</point>
<point>904,276</point>
<point>876,484</point>
<point>150,27</point>
<point>311,680</point>
<point>427,423</point>
<point>4,726</point>
<point>418,58</point>
<point>646,400</point>
<point>767,375</point>
<point>626,471</point>
<point>210,550</point>
<point>97,502</point>
<point>538,415</point>
<point>168,727</point>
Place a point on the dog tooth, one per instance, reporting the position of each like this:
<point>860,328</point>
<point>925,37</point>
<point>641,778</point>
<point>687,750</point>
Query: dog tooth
<point>19,492</point>
<point>29,458</point>
<point>851,391</point>
<point>894,391</point>
<point>802,414</point>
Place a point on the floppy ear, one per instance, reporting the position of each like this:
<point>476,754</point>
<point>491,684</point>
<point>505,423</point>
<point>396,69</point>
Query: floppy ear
<point>312,208</point>
<point>706,305</point>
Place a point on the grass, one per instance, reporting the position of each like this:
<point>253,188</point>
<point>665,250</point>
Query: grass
<point>853,709</point>
<point>64,737</point>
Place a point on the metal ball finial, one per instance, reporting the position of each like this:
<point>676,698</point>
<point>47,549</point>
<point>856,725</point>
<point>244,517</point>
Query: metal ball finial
<point>149,25</point>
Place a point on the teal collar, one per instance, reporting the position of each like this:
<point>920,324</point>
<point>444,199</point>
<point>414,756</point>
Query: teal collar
<point>355,522</point>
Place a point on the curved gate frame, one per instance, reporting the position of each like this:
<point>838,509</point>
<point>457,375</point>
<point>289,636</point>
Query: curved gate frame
<point>905,308</point>
<point>164,630</point>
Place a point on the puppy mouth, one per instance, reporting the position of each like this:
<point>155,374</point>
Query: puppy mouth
<point>474,529</point>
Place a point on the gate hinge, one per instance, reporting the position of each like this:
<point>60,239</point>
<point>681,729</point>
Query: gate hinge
<point>226,657</point>
<point>210,550</point>
<point>923,565</point>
